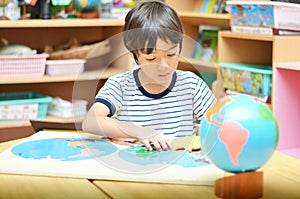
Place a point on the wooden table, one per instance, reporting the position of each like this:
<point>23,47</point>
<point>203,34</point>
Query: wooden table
<point>281,179</point>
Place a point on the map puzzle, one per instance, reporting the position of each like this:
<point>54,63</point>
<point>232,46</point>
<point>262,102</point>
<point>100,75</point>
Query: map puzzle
<point>83,155</point>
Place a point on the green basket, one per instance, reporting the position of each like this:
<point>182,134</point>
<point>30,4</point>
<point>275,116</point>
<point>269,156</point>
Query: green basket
<point>246,78</point>
<point>23,105</point>
<point>60,2</point>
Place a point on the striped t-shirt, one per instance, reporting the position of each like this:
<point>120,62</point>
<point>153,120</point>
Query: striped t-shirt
<point>174,112</point>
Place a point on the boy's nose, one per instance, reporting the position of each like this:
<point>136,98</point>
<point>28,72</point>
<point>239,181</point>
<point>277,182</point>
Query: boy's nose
<point>163,62</point>
<point>162,66</point>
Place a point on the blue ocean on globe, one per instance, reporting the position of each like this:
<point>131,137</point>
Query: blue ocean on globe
<point>239,133</point>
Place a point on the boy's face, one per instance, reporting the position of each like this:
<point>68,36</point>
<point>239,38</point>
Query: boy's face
<point>160,65</point>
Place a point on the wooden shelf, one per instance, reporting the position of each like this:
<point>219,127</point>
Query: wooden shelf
<point>13,123</point>
<point>194,18</point>
<point>56,23</point>
<point>229,34</point>
<point>47,119</point>
<point>85,76</point>
<point>54,119</point>
<point>51,119</point>
<point>197,65</point>
<point>288,65</point>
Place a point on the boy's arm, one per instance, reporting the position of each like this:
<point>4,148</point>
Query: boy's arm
<point>97,122</point>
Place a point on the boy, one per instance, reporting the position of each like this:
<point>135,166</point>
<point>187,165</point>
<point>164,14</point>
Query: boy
<point>154,103</point>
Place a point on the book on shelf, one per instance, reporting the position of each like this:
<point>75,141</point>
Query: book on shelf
<point>205,49</point>
<point>264,17</point>
<point>119,12</point>
<point>204,6</point>
<point>208,6</point>
<point>285,32</point>
<point>262,30</point>
<point>219,6</point>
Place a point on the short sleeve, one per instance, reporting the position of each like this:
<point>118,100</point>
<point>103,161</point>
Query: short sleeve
<point>203,98</point>
<point>110,94</point>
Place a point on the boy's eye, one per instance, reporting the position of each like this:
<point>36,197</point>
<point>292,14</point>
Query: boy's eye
<point>171,54</point>
<point>151,59</point>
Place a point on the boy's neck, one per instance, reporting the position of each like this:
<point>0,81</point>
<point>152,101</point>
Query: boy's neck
<point>153,87</point>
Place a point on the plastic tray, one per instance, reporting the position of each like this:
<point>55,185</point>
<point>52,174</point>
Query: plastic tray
<point>18,66</point>
<point>23,105</point>
<point>62,108</point>
<point>66,66</point>
<point>251,79</point>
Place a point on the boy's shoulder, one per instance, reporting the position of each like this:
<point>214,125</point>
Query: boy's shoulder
<point>123,76</point>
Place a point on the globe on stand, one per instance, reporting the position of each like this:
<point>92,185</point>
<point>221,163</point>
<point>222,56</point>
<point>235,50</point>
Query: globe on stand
<point>239,134</point>
<point>88,8</point>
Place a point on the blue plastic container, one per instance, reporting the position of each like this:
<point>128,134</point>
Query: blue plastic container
<point>23,105</point>
<point>246,78</point>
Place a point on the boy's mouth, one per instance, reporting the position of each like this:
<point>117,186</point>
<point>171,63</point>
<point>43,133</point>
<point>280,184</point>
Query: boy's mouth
<point>164,75</point>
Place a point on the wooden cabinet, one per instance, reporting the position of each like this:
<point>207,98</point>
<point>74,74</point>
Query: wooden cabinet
<point>38,33</point>
<point>258,49</point>
<point>271,50</point>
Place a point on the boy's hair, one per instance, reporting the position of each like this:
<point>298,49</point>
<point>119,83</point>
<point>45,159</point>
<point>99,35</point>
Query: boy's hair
<point>148,21</point>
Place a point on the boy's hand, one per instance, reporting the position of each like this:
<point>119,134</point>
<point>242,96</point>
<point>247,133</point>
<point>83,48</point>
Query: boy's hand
<point>159,142</point>
<point>147,136</point>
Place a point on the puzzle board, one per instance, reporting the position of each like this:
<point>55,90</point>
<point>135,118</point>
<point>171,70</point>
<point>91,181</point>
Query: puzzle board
<point>82,155</point>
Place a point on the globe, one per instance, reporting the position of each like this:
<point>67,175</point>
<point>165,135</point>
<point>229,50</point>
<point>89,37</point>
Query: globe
<point>86,4</point>
<point>239,133</point>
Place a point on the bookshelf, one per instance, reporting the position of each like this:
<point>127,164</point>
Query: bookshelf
<point>271,50</point>
<point>191,17</point>
<point>38,33</point>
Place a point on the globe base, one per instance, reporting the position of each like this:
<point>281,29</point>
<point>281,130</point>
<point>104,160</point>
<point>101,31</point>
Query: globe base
<point>241,185</point>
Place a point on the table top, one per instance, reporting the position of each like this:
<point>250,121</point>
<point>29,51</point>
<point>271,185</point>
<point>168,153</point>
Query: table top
<point>281,179</point>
